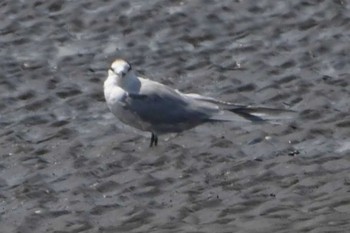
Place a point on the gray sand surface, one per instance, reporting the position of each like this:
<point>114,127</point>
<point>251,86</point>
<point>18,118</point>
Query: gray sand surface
<point>67,165</point>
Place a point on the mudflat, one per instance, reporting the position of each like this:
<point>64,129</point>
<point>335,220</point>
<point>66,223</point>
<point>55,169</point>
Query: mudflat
<point>68,165</point>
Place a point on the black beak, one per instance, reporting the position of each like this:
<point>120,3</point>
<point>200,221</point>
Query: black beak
<point>94,70</point>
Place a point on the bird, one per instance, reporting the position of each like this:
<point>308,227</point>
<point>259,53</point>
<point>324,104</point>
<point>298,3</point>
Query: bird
<point>159,109</point>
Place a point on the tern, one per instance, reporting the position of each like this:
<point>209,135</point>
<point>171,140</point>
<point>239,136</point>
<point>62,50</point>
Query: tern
<point>156,108</point>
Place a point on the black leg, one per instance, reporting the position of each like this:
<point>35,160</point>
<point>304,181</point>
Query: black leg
<point>154,140</point>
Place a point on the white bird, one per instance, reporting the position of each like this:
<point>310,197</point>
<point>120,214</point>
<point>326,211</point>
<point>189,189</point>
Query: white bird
<point>153,107</point>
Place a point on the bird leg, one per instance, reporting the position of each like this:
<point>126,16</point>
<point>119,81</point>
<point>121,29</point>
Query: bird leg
<point>154,140</point>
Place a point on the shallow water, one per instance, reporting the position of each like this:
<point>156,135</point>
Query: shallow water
<point>67,165</point>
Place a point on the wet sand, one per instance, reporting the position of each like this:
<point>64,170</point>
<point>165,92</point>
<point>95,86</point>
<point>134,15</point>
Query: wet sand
<point>67,165</point>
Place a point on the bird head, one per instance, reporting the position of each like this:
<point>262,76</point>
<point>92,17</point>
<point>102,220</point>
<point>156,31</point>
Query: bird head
<point>120,68</point>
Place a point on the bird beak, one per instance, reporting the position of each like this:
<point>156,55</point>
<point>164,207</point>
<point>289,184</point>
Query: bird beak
<point>94,70</point>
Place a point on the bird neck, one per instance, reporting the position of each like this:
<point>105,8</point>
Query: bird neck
<point>130,83</point>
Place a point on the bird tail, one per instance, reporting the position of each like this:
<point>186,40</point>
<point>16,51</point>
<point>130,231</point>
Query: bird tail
<point>262,114</point>
<point>244,112</point>
<point>254,114</point>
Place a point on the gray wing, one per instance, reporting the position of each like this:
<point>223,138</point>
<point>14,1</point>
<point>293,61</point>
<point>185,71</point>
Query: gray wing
<point>167,110</point>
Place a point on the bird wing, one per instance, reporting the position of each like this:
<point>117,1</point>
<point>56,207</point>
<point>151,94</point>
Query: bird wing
<point>163,109</point>
<point>167,110</point>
